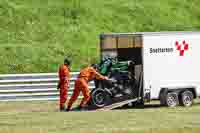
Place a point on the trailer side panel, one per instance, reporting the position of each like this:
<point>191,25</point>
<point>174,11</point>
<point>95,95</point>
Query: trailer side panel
<point>171,61</point>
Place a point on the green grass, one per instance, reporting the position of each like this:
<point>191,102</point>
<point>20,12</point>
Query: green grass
<point>43,117</point>
<point>37,34</point>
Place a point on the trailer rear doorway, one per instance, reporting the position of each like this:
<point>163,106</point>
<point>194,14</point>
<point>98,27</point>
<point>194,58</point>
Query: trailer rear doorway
<point>125,47</point>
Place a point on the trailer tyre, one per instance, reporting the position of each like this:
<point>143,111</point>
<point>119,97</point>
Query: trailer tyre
<point>172,99</point>
<point>186,98</point>
<point>162,97</point>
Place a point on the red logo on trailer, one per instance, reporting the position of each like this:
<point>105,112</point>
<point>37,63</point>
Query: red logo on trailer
<point>182,47</point>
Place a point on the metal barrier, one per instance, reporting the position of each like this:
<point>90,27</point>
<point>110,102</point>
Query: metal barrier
<point>33,87</point>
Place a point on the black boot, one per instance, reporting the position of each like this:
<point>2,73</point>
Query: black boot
<point>62,109</point>
<point>67,109</point>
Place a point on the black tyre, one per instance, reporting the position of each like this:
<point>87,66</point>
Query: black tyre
<point>99,98</point>
<point>186,98</point>
<point>163,100</point>
<point>171,99</point>
<point>162,96</point>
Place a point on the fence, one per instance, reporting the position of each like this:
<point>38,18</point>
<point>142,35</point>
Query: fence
<point>32,87</point>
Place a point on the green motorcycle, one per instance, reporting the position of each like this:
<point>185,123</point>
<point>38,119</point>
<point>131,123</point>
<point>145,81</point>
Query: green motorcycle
<point>120,84</point>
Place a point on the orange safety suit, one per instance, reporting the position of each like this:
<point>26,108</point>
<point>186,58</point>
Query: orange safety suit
<point>63,84</point>
<point>81,85</point>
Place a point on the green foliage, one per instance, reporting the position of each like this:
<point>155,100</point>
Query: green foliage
<point>36,35</point>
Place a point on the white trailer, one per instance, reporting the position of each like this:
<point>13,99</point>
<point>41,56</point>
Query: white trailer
<point>168,62</point>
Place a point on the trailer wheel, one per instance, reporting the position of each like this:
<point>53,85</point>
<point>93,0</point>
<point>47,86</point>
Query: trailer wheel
<point>186,98</point>
<point>172,99</point>
<point>99,98</point>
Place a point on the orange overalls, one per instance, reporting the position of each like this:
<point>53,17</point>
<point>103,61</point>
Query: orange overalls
<point>81,85</point>
<point>64,76</point>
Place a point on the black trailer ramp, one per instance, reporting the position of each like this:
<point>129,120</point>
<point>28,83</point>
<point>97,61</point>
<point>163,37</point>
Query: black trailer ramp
<point>111,106</point>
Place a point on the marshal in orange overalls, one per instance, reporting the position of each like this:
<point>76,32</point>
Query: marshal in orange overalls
<point>81,85</point>
<point>63,84</point>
